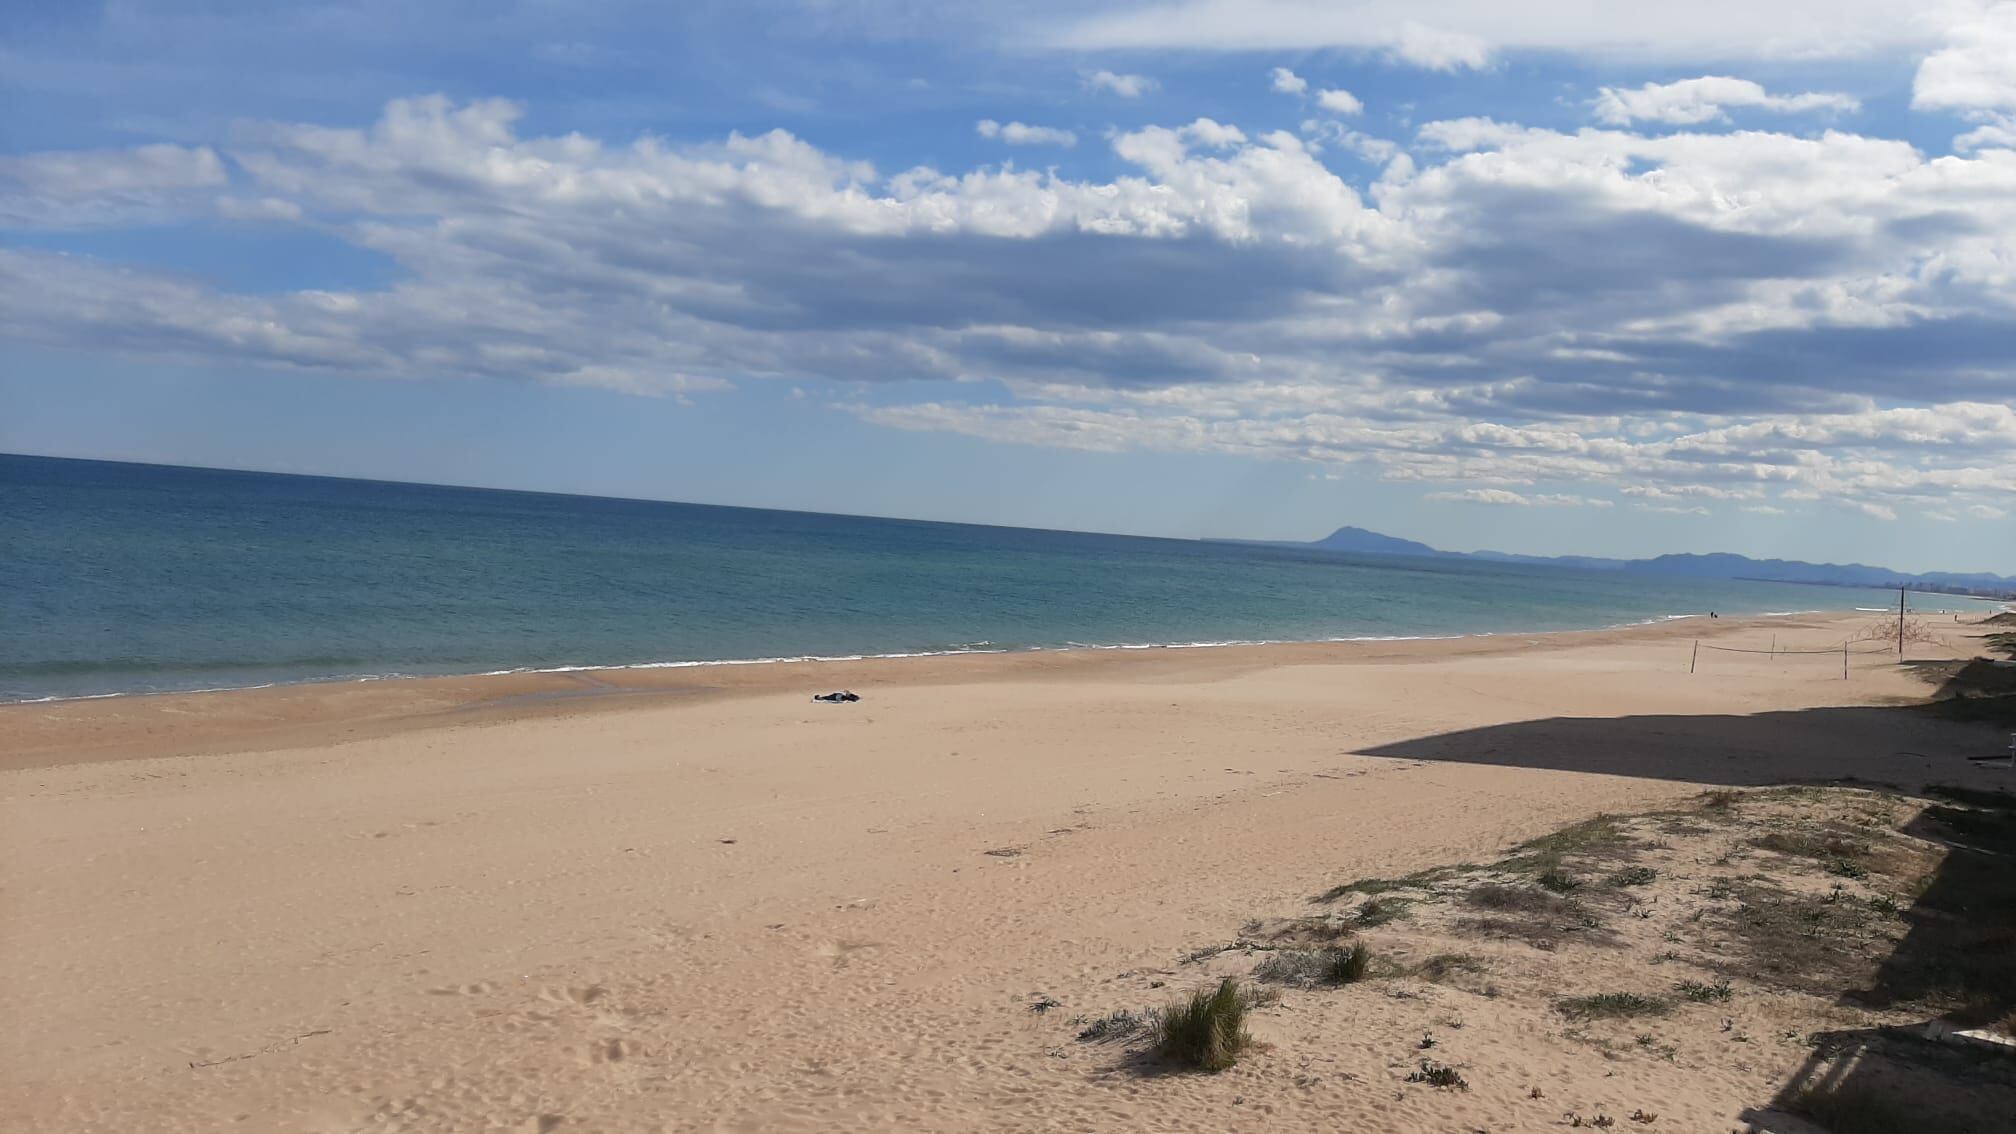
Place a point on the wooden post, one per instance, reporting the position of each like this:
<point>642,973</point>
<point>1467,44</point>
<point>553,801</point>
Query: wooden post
<point>1696,657</point>
<point>1844,659</point>
<point>1900,625</point>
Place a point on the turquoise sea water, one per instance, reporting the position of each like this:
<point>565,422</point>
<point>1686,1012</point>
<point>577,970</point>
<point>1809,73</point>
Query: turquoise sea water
<point>118,578</point>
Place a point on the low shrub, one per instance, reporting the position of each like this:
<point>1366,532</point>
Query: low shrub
<point>1438,1075</point>
<point>1611,1005</point>
<point>1702,992</point>
<point>1207,1031</point>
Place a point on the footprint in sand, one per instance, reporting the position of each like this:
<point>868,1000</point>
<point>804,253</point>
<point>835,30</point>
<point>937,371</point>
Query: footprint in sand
<point>478,989</point>
<point>579,994</point>
<point>839,951</point>
<point>613,1051</point>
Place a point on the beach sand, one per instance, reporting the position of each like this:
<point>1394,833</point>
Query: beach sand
<point>693,899</point>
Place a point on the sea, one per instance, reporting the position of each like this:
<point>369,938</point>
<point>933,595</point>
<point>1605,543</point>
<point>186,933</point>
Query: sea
<point>129,579</point>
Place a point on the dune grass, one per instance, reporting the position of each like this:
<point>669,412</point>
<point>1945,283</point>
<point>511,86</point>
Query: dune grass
<point>1334,965</point>
<point>1207,1031</point>
<point>1612,1005</point>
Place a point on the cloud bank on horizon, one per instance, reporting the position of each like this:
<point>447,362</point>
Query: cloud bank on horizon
<point>1712,286</point>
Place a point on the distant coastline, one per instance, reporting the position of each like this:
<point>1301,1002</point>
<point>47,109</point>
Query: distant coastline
<point>1709,565</point>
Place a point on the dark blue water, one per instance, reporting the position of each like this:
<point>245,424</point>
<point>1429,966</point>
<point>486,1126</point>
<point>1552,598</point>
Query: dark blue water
<point>129,578</point>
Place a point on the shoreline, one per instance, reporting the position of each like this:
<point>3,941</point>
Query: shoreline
<point>118,726</point>
<point>836,659</point>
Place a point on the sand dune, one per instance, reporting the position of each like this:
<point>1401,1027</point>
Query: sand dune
<point>696,900</point>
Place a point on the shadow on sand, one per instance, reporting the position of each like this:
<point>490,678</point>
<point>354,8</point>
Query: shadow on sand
<point>1960,950</point>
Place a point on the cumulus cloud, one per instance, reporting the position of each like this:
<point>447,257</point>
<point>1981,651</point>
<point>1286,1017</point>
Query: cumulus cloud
<point>1126,86</point>
<point>1707,99</point>
<point>1338,101</point>
<point>1996,131</point>
<point>1021,134</point>
<point>1285,81</point>
<point>1688,320</point>
<point>1976,69</point>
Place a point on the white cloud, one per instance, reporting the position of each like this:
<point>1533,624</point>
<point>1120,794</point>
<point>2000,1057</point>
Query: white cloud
<point>1438,48</point>
<point>1285,81</point>
<point>81,188</point>
<point>1985,511</point>
<point>1496,496</point>
<point>1445,34</point>
<point>1021,134</point>
<point>1212,134</point>
<point>1126,86</point>
<point>1339,102</point>
<point>1688,320</point>
<point>1707,99</point>
<point>1996,131</point>
<point>1506,498</point>
<point>258,209</point>
<point>1976,69</point>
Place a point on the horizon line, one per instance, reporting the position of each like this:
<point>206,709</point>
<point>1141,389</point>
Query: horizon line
<point>1234,540</point>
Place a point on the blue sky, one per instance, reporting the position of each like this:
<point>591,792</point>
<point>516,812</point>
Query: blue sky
<point>1538,277</point>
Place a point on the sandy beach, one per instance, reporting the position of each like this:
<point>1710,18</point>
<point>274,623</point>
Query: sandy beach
<point>692,899</point>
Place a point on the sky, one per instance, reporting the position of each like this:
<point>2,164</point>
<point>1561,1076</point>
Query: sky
<point>1544,277</point>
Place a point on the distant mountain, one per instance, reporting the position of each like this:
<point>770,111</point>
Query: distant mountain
<point>1715,565</point>
<point>1371,543</point>
<point>1589,561</point>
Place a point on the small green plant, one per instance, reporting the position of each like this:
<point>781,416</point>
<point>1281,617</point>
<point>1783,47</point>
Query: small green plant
<point>1611,1005</point>
<point>1558,880</point>
<point>1338,964</point>
<point>1379,911</point>
<point>1438,1075</point>
<point>1498,896</point>
<point>1347,965</point>
<point>1847,868</point>
<point>1702,992</point>
<point>1720,800</point>
<point>1885,904</point>
<point>1810,844</point>
<point>1634,876</point>
<point>1427,1041</point>
<point>1207,1031</point>
<point>1442,966</point>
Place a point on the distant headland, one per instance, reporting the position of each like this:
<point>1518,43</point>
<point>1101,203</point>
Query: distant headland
<point>1713,565</point>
